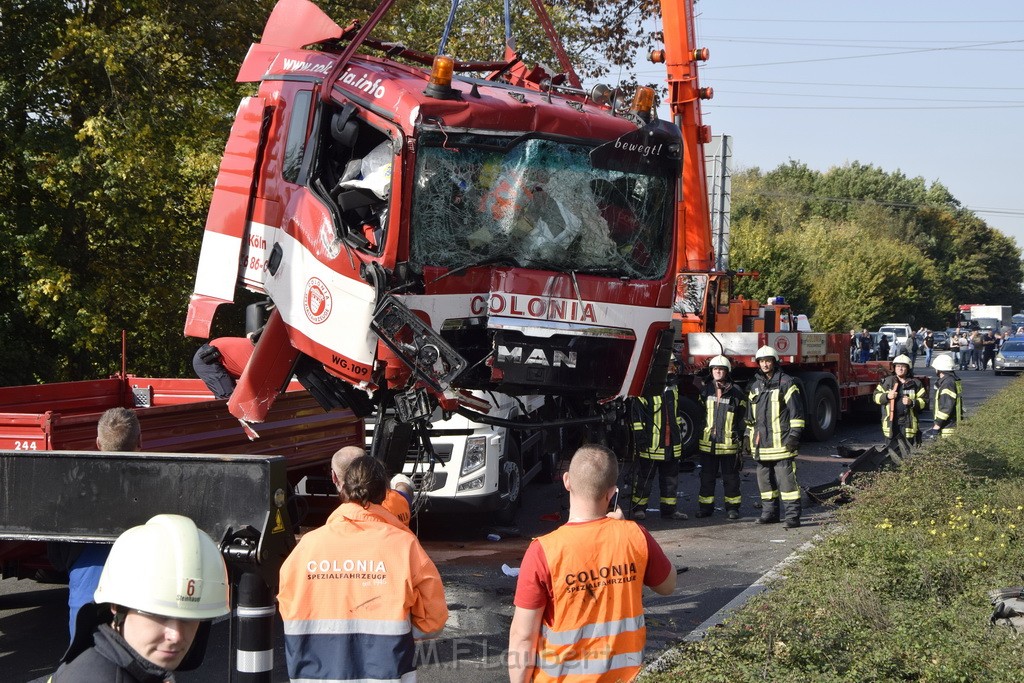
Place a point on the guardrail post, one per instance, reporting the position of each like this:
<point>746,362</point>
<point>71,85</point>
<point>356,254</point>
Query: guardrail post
<point>254,658</point>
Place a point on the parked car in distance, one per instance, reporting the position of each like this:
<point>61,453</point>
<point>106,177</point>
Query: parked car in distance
<point>900,331</point>
<point>988,324</point>
<point>941,340</point>
<point>1010,357</point>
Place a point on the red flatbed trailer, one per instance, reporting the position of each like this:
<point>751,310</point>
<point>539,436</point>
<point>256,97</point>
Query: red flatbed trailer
<point>177,416</point>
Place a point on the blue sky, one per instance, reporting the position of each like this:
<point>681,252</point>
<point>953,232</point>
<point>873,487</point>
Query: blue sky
<point>934,89</point>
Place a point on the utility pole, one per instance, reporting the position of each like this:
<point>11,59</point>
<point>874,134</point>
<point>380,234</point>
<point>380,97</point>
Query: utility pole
<point>718,165</point>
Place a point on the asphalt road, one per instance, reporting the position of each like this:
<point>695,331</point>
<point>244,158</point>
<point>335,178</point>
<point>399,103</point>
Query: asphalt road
<point>718,561</point>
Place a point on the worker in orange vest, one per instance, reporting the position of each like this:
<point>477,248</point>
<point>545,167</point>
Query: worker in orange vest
<point>356,593</point>
<point>579,614</point>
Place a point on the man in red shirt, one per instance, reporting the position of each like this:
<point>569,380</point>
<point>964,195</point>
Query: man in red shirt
<point>579,610</point>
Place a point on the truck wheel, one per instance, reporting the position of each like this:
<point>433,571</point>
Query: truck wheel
<point>688,425</point>
<point>510,484</point>
<point>823,413</point>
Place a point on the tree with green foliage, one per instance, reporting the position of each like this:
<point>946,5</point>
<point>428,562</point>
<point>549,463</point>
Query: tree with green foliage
<point>857,246</point>
<point>114,123</point>
<point>114,118</point>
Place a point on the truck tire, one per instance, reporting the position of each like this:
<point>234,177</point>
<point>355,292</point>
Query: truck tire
<point>510,484</point>
<point>822,411</point>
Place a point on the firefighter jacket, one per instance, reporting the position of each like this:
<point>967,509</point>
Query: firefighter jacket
<point>596,630</point>
<point>776,417</point>
<point>353,596</point>
<point>949,409</point>
<point>725,409</point>
<point>112,659</point>
<point>656,429</point>
<point>904,416</point>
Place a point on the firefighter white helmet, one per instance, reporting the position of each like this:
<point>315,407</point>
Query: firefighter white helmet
<point>943,363</point>
<point>766,352</point>
<point>720,362</point>
<point>167,567</point>
<point>902,358</point>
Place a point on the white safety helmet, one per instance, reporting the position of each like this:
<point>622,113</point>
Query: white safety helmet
<point>167,567</point>
<point>402,479</point>
<point>766,352</point>
<point>943,363</point>
<point>720,362</point>
<point>902,358</point>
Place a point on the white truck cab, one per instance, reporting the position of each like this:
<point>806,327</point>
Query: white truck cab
<point>478,467</point>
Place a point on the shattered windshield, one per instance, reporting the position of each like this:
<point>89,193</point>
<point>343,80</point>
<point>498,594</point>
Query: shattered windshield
<point>536,203</point>
<point>690,288</point>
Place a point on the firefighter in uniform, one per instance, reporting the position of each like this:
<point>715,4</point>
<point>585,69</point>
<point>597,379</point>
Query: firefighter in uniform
<point>657,435</point>
<point>725,407</point>
<point>579,597</point>
<point>902,397</point>
<point>355,593</point>
<point>162,586</point>
<point>774,425</point>
<point>949,408</point>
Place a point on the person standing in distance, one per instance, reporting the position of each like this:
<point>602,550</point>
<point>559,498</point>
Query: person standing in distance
<point>864,343</point>
<point>163,584</point>
<point>356,593</point>
<point>883,346</point>
<point>774,425</point>
<point>397,501</point>
<point>902,397</point>
<point>579,613</point>
<point>949,405</point>
<point>118,430</point>
<point>657,433</point>
<point>721,443</point>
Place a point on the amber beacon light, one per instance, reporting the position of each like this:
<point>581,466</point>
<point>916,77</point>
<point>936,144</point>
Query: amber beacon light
<point>643,101</point>
<point>440,83</point>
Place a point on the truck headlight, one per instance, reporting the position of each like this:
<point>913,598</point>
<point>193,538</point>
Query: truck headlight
<point>472,485</point>
<point>475,455</point>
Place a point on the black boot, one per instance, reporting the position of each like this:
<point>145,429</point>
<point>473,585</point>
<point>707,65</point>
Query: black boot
<point>769,513</point>
<point>791,512</point>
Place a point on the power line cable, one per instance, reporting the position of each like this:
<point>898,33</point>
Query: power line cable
<point>867,85</point>
<point>829,42</point>
<point>871,108</point>
<point>721,91</point>
<point>877,54</point>
<point>869,21</point>
<point>899,205</point>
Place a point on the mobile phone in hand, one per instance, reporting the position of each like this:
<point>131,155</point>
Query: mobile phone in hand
<point>615,501</point>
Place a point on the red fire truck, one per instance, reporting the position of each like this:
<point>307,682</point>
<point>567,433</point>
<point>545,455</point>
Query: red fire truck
<point>485,226</point>
<point>424,233</point>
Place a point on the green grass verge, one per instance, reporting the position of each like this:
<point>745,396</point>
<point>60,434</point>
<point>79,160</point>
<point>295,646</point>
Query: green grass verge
<point>899,593</point>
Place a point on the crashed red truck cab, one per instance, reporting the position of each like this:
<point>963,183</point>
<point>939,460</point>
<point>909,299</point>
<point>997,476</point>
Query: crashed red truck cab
<point>420,238</point>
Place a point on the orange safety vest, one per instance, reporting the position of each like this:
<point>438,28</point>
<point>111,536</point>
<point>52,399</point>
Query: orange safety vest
<point>353,596</point>
<point>596,631</point>
<point>396,504</point>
